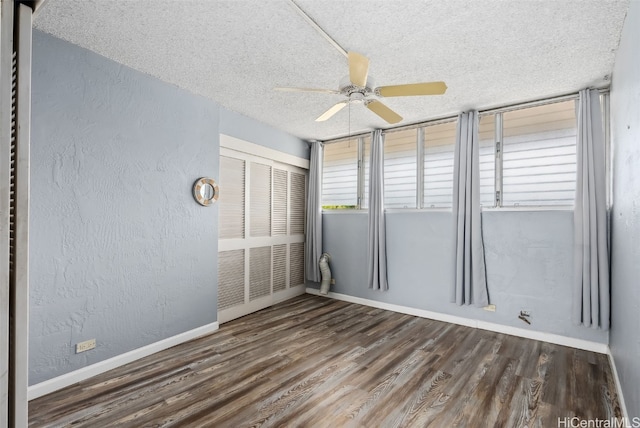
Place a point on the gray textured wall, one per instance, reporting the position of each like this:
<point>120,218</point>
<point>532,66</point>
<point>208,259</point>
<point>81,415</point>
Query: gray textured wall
<point>120,251</point>
<point>625,267</point>
<point>528,256</point>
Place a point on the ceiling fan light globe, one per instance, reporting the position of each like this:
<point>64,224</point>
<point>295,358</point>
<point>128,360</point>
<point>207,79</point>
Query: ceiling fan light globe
<point>356,97</point>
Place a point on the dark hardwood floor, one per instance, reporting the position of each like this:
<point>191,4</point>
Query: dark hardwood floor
<point>316,362</point>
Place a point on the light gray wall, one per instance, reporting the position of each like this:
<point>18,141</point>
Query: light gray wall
<point>239,126</point>
<point>120,251</point>
<point>625,251</point>
<point>528,257</point>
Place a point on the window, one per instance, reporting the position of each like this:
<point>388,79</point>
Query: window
<point>535,156</point>
<point>437,165</point>
<point>539,155</point>
<point>340,175</point>
<point>400,181</point>
<point>345,174</point>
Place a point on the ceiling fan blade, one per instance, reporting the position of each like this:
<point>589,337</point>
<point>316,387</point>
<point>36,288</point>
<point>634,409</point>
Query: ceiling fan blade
<point>322,91</point>
<point>358,68</point>
<point>333,110</point>
<point>384,112</point>
<point>412,89</point>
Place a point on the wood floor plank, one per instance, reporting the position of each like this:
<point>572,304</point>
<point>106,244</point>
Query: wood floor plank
<point>316,362</point>
<point>492,393</point>
<point>523,408</point>
<point>427,384</point>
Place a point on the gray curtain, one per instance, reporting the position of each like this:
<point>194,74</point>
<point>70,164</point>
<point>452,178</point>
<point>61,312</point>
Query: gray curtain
<point>470,279</point>
<point>377,231</point>
<point>313,235</point>
<point>591,306</point>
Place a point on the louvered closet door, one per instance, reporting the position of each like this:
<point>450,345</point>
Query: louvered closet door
<point>261,229</point>
<point>15,117</point>
<point>7,75</point>
<point>232,207</point>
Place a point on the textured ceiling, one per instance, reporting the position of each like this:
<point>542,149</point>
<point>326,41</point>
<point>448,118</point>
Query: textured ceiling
<point>490,53</point>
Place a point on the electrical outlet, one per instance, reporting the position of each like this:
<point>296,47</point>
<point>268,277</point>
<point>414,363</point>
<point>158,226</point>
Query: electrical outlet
<point>333,281</point>
<point>490,308</point>
<point>85,346</point>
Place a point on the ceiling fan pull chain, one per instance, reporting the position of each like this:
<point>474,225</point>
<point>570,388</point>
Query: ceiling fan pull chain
<point>349,127</point>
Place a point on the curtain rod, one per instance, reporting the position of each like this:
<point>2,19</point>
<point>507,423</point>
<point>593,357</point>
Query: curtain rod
<point>446,119</point>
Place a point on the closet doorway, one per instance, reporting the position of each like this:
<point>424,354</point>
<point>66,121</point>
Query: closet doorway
<point>261,227</point>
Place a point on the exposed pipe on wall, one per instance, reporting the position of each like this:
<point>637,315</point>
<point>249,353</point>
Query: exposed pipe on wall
<point>325,272</point>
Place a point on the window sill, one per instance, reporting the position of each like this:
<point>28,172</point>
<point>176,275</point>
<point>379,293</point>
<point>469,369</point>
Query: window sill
<point>448,210</point>
<point>417,210</point>
<point>346,211</point>
<point>528,208</point>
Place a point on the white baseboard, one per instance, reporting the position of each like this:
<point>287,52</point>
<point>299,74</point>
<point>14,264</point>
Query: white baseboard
<point>230,314</point>
<point>51,385</point>
<point>557,339</point>
<point>289,293</point>
<point>623,406</point>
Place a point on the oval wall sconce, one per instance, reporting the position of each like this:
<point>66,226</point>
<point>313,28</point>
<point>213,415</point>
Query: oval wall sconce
<point>205,191</point>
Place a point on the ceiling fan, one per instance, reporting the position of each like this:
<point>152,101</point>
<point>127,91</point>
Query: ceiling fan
<point>359,88</point>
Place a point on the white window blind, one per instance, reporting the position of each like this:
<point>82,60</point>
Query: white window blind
<point>439,145</point>
<point>400,158</point>
<point>231,219</point>
<point>539,149</point>
<point>340,174</point>
<point>260,199</point>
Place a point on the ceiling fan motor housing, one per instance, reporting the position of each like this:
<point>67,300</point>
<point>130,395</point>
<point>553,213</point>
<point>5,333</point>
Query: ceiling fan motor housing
<point>355,92</point>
